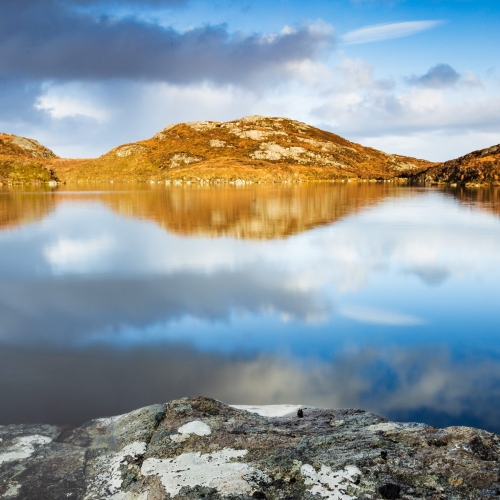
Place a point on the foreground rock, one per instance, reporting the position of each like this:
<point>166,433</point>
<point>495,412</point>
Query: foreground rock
<point>201,448</point>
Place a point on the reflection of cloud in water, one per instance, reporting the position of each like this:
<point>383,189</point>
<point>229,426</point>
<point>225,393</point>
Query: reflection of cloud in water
<point>394,382</point>
<point>76,254</point>
<point>68,310</point>
<point>378,316</point>
<point>431,276</point>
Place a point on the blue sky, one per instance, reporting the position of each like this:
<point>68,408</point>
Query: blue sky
<point>416,78</point>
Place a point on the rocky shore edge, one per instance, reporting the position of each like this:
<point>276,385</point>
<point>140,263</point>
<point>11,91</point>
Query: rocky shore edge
<point>200,448</point>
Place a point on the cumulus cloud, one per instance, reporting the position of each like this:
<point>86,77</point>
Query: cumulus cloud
<point>379,32</point>
<point>398,118</point>
<point>438,77</point>
<point>48,41</point>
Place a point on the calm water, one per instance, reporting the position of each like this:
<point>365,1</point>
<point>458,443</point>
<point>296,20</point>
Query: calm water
<point>373,296</point>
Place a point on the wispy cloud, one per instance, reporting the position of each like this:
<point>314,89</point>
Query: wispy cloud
<point>378,32</point>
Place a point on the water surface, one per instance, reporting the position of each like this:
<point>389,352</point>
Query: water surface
<point>372,296</point>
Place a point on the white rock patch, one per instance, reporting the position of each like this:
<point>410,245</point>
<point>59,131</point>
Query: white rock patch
<point>202,126</point>
<point>180,158</point>
<point>253,118</point>
<point>36,149</point>
<point>216,143</point>
<point>125,151</point>
<point>29,144</point>
<point>384,427</point>
<point>105,421</point>
<point>329,484</point>
<point>23,447</point>
<point>196,427</point>
<point>162,134</point>
<point>109,480</point>
<point>255,135</point>
<point>273,151</point>
<point>12,490</point>
<point>212,470</point>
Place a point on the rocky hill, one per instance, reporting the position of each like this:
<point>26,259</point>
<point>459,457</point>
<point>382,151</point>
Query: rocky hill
<point>200,448</point>
<point>252,149</point>
<point>24,160</point>
<point>479,167</point>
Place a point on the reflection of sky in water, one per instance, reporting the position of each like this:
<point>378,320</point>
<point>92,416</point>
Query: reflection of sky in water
<point>393,310</point>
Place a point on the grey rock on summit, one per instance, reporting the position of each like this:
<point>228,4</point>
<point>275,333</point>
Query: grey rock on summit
<point>201,448</point>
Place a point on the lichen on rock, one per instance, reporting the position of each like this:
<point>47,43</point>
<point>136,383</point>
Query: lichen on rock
<point>230,453</point>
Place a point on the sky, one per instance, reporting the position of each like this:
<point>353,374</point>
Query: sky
<point>419,78</point>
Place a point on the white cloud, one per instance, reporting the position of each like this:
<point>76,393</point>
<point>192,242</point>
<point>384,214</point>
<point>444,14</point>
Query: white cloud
<point>59,106</point>
<point>406,119</point>
<point>388,31</point>
<point>351,99</point>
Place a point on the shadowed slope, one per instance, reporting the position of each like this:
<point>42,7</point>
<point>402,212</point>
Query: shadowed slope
<point>478,167</point>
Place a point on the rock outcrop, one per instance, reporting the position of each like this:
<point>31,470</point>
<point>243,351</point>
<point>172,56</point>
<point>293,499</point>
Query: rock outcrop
<point>476,168</point>
<point>201,448</point>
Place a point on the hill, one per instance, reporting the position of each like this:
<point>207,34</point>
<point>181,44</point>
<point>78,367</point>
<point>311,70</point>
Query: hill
<point>24,160</point>
<point>476,168</point>
<point>252,149</point>
<point>249,150</point>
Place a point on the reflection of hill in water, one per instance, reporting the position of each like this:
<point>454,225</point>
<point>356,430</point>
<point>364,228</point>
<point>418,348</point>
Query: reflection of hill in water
<point>258,212</point>
<point>262,212</point>
<point>22,207</point>
<point>486,199</point>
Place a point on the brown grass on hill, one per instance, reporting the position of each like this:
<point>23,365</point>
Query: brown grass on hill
<point>252,149</point>
<point>24,160</point>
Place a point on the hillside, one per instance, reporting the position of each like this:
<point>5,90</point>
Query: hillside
<point>24,160</point>
<point>249,150</point>
<point>478,167</point>
<point>254,148</point>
